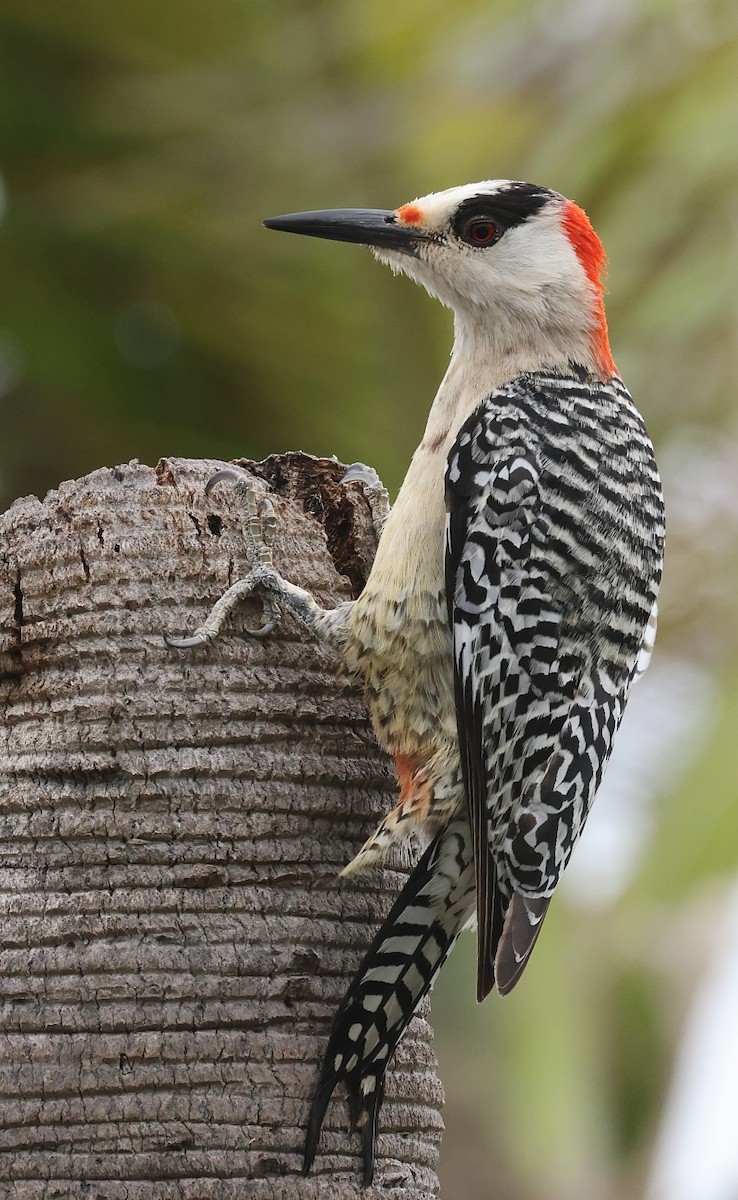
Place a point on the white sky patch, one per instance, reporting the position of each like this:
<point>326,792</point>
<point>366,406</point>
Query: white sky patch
<point>696,1155</point>
<point>665,724</point>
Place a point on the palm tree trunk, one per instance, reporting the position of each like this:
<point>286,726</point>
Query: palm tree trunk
<point>174,940</point>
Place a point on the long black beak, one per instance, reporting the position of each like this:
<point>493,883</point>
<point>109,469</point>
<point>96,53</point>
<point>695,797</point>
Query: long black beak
<point>366,226</point>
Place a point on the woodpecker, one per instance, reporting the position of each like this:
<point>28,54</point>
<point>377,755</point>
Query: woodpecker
<point>510,606</point>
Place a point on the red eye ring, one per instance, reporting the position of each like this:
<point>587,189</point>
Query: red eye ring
<point>480,231</point>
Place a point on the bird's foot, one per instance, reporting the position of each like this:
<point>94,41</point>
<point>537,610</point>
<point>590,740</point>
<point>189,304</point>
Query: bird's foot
<point>259,525</point>
<point>377,496</point>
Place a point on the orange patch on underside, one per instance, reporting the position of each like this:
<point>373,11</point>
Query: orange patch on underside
<point>409,214</point>
<point>415,794</point>
<point>406,765</point>
<point>591,254</point>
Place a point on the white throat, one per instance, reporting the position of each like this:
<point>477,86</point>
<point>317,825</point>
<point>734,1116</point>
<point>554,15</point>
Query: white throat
<point>486,355</point>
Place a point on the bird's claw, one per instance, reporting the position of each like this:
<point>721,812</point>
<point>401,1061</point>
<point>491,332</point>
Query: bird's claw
<point>260,526</point>
<point>229,473</point>
<point>359,472</point>
<point>374,491</point>
<point>272,613</point>
<point>186,643</point>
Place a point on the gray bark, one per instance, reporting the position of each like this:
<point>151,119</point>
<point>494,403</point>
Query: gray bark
<point>174,940</point>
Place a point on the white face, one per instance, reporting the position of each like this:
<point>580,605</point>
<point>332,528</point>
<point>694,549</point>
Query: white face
<point>491,243</point>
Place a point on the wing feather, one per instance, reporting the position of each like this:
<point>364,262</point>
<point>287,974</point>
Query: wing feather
<point>492,502</point>
<point>541,678</point>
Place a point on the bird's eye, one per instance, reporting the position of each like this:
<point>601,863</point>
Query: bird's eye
<point>479,231</point>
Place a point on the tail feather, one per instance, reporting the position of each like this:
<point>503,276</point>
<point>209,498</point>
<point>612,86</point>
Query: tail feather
<point>523,921</point>
<point>399,968</point>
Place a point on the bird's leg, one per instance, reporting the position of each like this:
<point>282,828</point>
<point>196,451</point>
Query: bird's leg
<point>259,526</point>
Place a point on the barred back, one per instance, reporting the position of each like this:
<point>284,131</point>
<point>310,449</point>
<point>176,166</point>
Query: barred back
<point>554,550</point>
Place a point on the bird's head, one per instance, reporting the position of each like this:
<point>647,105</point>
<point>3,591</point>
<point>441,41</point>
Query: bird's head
<point>517,262</point>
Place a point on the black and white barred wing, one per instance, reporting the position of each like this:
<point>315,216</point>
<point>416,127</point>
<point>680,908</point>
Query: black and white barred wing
<point>534,734</point>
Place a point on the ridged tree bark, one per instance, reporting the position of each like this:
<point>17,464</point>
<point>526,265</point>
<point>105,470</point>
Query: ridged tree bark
<point>174,937</point>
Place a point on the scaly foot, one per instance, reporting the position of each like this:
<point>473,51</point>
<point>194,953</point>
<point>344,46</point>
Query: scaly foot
<point>377,496</point>
<point>259,525</point>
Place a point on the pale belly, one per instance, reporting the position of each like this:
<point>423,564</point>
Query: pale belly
<point>406,666</point>
<point>397,640</point>
<point>397,637</point>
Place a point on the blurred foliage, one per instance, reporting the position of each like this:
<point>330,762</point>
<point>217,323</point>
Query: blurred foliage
<point>144,311</point>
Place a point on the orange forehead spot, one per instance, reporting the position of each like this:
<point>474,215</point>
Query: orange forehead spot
<point>409,214</point>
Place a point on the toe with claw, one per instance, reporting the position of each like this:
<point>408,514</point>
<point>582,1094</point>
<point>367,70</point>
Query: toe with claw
<point>259,526</point>
<point>374,490</point>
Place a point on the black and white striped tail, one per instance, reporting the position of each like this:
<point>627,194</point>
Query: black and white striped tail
<point>411,947</point>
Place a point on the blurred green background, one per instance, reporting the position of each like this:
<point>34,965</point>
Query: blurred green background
<point>144,311</point>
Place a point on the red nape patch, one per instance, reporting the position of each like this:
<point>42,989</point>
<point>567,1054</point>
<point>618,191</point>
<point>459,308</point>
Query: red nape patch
<point>409,214</point>
<point>591,254</point>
